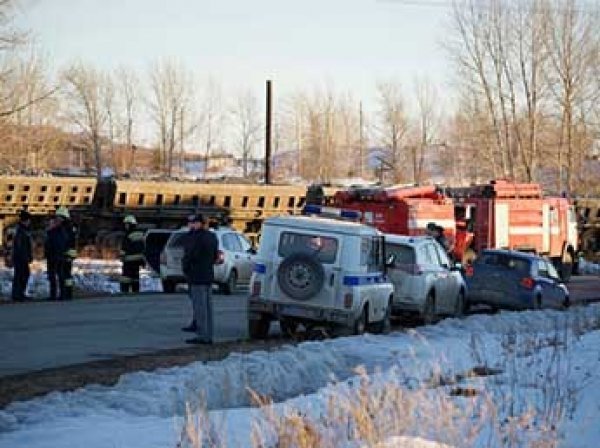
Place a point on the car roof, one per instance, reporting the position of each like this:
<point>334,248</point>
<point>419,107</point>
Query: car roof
<point>219,230</point>
<point>511,253</point>
<point>406,239</point>
<point>325,224</point>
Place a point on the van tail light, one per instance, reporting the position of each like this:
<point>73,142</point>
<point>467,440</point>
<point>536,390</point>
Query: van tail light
<point>469,271</point>
<point>527,283</point>
<point>220,257</point>
<point>163,258</point>
<point>256,288</point>
<point>348,299</point>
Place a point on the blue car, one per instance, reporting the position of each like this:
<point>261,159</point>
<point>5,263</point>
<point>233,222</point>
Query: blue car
<point>515,280</point>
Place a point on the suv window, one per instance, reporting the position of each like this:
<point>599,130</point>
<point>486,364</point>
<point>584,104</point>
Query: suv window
<point>405,255</point>
<point>325,248</point>
<point>178,240</point>
<point>432,255</point>
<point>371,253</point>
<point>442,257</point>
<point>245,244</point>
<point>231,242</point>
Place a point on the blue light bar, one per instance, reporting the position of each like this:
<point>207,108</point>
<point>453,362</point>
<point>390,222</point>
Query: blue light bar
<point>312,209</point>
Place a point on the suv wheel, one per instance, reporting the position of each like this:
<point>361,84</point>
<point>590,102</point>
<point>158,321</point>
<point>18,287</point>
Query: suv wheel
<point>301,276</point>
<point>168,286</point>
<point>259,328</point>
<point>288,326</point>
<point>361,322</point>
<point>385,325</point>
<point>229,286</point>
<point>461,304</point>
<point>429,316</point>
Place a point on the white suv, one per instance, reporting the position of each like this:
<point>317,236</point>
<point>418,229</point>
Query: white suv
<point>424,280</point>
<point>318,271</point>
<point>236,253</point>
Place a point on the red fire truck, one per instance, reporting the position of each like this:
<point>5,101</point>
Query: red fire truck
<point>500,214</point>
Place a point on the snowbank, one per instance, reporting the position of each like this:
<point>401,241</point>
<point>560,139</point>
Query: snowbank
<point>588,268</point>
<point>89,276</point>
<point>547,361</point>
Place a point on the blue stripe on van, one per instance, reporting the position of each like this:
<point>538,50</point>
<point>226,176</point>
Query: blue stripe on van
<point>357,280</point>
<point>260,268</point>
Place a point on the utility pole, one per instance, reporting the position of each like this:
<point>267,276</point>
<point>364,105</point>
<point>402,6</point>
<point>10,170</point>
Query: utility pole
<point>269,119</point>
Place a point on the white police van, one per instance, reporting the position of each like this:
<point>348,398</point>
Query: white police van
<point>316,270</point>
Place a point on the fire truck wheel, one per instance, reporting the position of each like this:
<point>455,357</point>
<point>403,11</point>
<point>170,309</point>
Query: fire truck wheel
<point>301,276</point>
<point>429,316</point>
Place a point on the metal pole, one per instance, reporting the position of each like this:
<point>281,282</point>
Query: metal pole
<point>269,119</point>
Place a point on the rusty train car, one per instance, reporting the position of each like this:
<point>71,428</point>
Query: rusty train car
<point>588,221</point>
<point>98,206</point>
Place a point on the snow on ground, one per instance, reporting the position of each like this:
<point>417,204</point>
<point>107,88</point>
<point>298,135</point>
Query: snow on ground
<point>547,384</point>
<point>89,276</point>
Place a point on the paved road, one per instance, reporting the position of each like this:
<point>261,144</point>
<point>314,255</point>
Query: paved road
<point>35,336</point>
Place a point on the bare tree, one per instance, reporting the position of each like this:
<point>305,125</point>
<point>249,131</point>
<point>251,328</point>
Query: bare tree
<point>84,90</point>
<point>246,121</point>
<point>171,91</point>
<point>127,85</point>
<point>211,121</point>
<point>428,121</point>
<point>392,126</point>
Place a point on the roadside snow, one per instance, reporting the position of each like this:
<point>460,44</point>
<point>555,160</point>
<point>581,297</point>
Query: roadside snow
<point>89,276</point>
<point>547,362</point>
<point>587,267</point>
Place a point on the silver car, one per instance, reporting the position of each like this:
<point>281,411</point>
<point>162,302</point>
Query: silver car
<point>235,266</point>
<point>425,281</point>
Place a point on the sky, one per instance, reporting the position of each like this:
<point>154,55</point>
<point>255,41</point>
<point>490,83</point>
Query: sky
<point>305,45</point>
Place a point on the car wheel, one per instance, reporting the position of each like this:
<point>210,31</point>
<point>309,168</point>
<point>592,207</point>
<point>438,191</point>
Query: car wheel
<point>461,304</point>
<point>259,328</point>
<point>361,322</point>
<point>384,326</point>
<point>537,302</point>
<point>168,286</point>
<point>288,327</point>
<point>231,283</point>
<point>429,316</point>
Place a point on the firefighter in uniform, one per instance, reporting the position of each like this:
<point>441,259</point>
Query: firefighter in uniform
<point>69,253</point>
<point>132,255</point>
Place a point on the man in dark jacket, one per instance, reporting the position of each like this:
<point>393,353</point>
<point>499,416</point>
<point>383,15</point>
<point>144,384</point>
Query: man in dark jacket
<point>200,254</point>
<point>22,255</point>
<point>68,254</point>
<point>132,256</point>
<point>54,248</point>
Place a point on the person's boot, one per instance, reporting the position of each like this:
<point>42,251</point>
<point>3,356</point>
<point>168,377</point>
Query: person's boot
<point>191,328</point>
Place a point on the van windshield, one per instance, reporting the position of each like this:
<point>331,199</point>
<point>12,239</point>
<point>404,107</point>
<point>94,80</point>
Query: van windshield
<point>404,255</point>
<point>324,248</point>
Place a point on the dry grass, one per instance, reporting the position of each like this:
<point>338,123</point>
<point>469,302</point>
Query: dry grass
<point>519,403</point>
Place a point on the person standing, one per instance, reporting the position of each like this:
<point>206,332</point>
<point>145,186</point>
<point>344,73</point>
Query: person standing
<point>22,255</point>
<point>200,254</point>
<point>54,247</point>
<point>132,256</point>
<point>68,254</point>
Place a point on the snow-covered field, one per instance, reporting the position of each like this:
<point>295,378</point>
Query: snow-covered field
<point>89,275</point>
<point>511,379</point>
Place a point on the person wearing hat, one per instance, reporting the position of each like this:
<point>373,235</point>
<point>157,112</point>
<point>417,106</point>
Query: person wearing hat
<point>67,253</point>
<point>200,253</point>
<point>437,233</point>
<point>22,255</point>
<point>132,256</point>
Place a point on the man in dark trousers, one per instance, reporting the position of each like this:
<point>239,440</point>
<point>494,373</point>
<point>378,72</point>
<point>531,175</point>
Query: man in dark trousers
<point>54,248</point>
<point>22,255</point>
<point>132,256</point>
<point>68,254</point>
<point>200,254</point>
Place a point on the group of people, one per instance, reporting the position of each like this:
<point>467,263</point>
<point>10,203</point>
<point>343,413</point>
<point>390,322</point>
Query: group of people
<point>59,251</point>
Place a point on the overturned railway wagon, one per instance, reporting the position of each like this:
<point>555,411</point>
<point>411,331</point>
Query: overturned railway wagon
<point>588,221</point>
<point>98,206</point>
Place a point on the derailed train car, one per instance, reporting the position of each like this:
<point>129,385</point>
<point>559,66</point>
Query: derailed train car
<point>98,207</point>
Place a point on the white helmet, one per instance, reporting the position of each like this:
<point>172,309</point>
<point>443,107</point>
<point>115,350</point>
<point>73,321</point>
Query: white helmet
<point>63,212</point>
<point>130,219</point>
